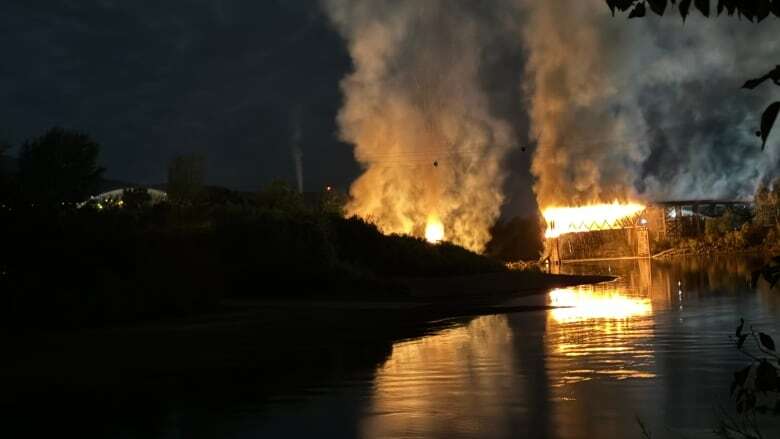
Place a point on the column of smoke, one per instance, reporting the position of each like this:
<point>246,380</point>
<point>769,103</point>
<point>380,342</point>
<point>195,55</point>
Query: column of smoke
<point>648,107</point>
<point>417,113</point>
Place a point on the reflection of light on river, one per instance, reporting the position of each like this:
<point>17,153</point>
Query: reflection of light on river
<point>600,330</point>
<point>426,382</point>
<point>580,304</point>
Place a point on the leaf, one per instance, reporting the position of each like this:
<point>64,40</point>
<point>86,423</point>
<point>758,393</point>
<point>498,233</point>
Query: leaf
<point>731,6</point>
<point>762,9</point>
<point>753,83</point>
<point>739,328</point>
<point>766,377</point>
<point>775,73</point>
<point>657,6</point>
<point>611,5</point>
<point>741,375</point>
<point>768,120</point>
<point>703,6</point>
<point>684,6</point>
<point>638,11</point>
<point>767,341</point>
<point>623,5</point>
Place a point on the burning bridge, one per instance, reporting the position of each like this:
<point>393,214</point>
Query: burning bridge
<point>608,231</point>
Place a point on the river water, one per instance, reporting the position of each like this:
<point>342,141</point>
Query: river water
<point>653,345</point>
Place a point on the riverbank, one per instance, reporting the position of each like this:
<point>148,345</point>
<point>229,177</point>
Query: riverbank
<point>250,347</point>
<point>707,252</point>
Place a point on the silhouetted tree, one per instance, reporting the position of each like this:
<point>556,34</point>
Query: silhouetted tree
<point>136,198</point>
<point>278,195</point>
<point>59,167</point>
<point>333,201</point>
<point>7,185</point>
<point>519,239</point>
<point>185,178</point>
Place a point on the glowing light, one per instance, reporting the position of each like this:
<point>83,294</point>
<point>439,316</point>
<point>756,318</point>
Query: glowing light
<point>434,230</point>
<point>583,304</point>
<point>561,220</point>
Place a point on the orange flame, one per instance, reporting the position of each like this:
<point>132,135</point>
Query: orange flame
<point>434,230</point>
<point>561,220</point>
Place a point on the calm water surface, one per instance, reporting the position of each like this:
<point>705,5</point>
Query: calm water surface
<point>654,344</point>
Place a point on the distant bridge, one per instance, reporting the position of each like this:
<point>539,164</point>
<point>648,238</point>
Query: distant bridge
<point>630,237</point>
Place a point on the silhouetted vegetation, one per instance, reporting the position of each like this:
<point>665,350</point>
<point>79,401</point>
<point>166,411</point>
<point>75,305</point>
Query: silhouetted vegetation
<point>8,186</point>
<point>750,9</point>
<point>518,239</point>
<point>127,258</point>
<point>58,167</point>
<point>756,229</point>
<point>186,175</point>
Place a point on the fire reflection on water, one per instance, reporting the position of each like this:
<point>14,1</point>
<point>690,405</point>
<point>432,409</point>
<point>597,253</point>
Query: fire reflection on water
<point>583,303</point>
<point>521,369</point>
<point>600,330</point>
<point>425,382</point>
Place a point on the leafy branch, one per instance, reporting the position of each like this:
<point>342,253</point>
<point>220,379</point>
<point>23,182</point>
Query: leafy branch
<point>753,10</point>
<point>770,114</point>
<point>757,386</point>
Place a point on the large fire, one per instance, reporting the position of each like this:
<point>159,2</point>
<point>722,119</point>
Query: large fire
<point>434,230</point>
<point>607,216</point>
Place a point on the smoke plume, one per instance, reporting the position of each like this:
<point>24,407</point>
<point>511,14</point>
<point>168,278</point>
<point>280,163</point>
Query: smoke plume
<point>419,114</point>
<point>619,109</point>
<point>644,108</point>
<point>297,155</point>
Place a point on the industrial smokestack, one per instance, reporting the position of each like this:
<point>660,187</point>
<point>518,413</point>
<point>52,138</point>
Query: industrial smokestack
<point>297,155</point>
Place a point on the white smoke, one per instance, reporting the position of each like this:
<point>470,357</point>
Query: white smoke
<point>650,107</point>
<point>620,109</point>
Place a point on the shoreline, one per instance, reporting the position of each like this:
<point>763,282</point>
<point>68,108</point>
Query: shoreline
<point>248,347</point>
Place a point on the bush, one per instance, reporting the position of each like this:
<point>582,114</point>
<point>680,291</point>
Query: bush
<point>85,267</point>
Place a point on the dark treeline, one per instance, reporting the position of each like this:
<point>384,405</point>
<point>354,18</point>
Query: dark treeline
<point>733,230</point>
<point>516,239</point>
<point>128,258</point>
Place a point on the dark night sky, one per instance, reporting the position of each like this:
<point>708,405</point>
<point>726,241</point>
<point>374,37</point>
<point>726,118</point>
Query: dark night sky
<point>150,80</point>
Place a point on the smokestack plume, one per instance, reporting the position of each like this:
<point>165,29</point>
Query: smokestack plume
<point>297,155</point>
<point>418,114</point>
